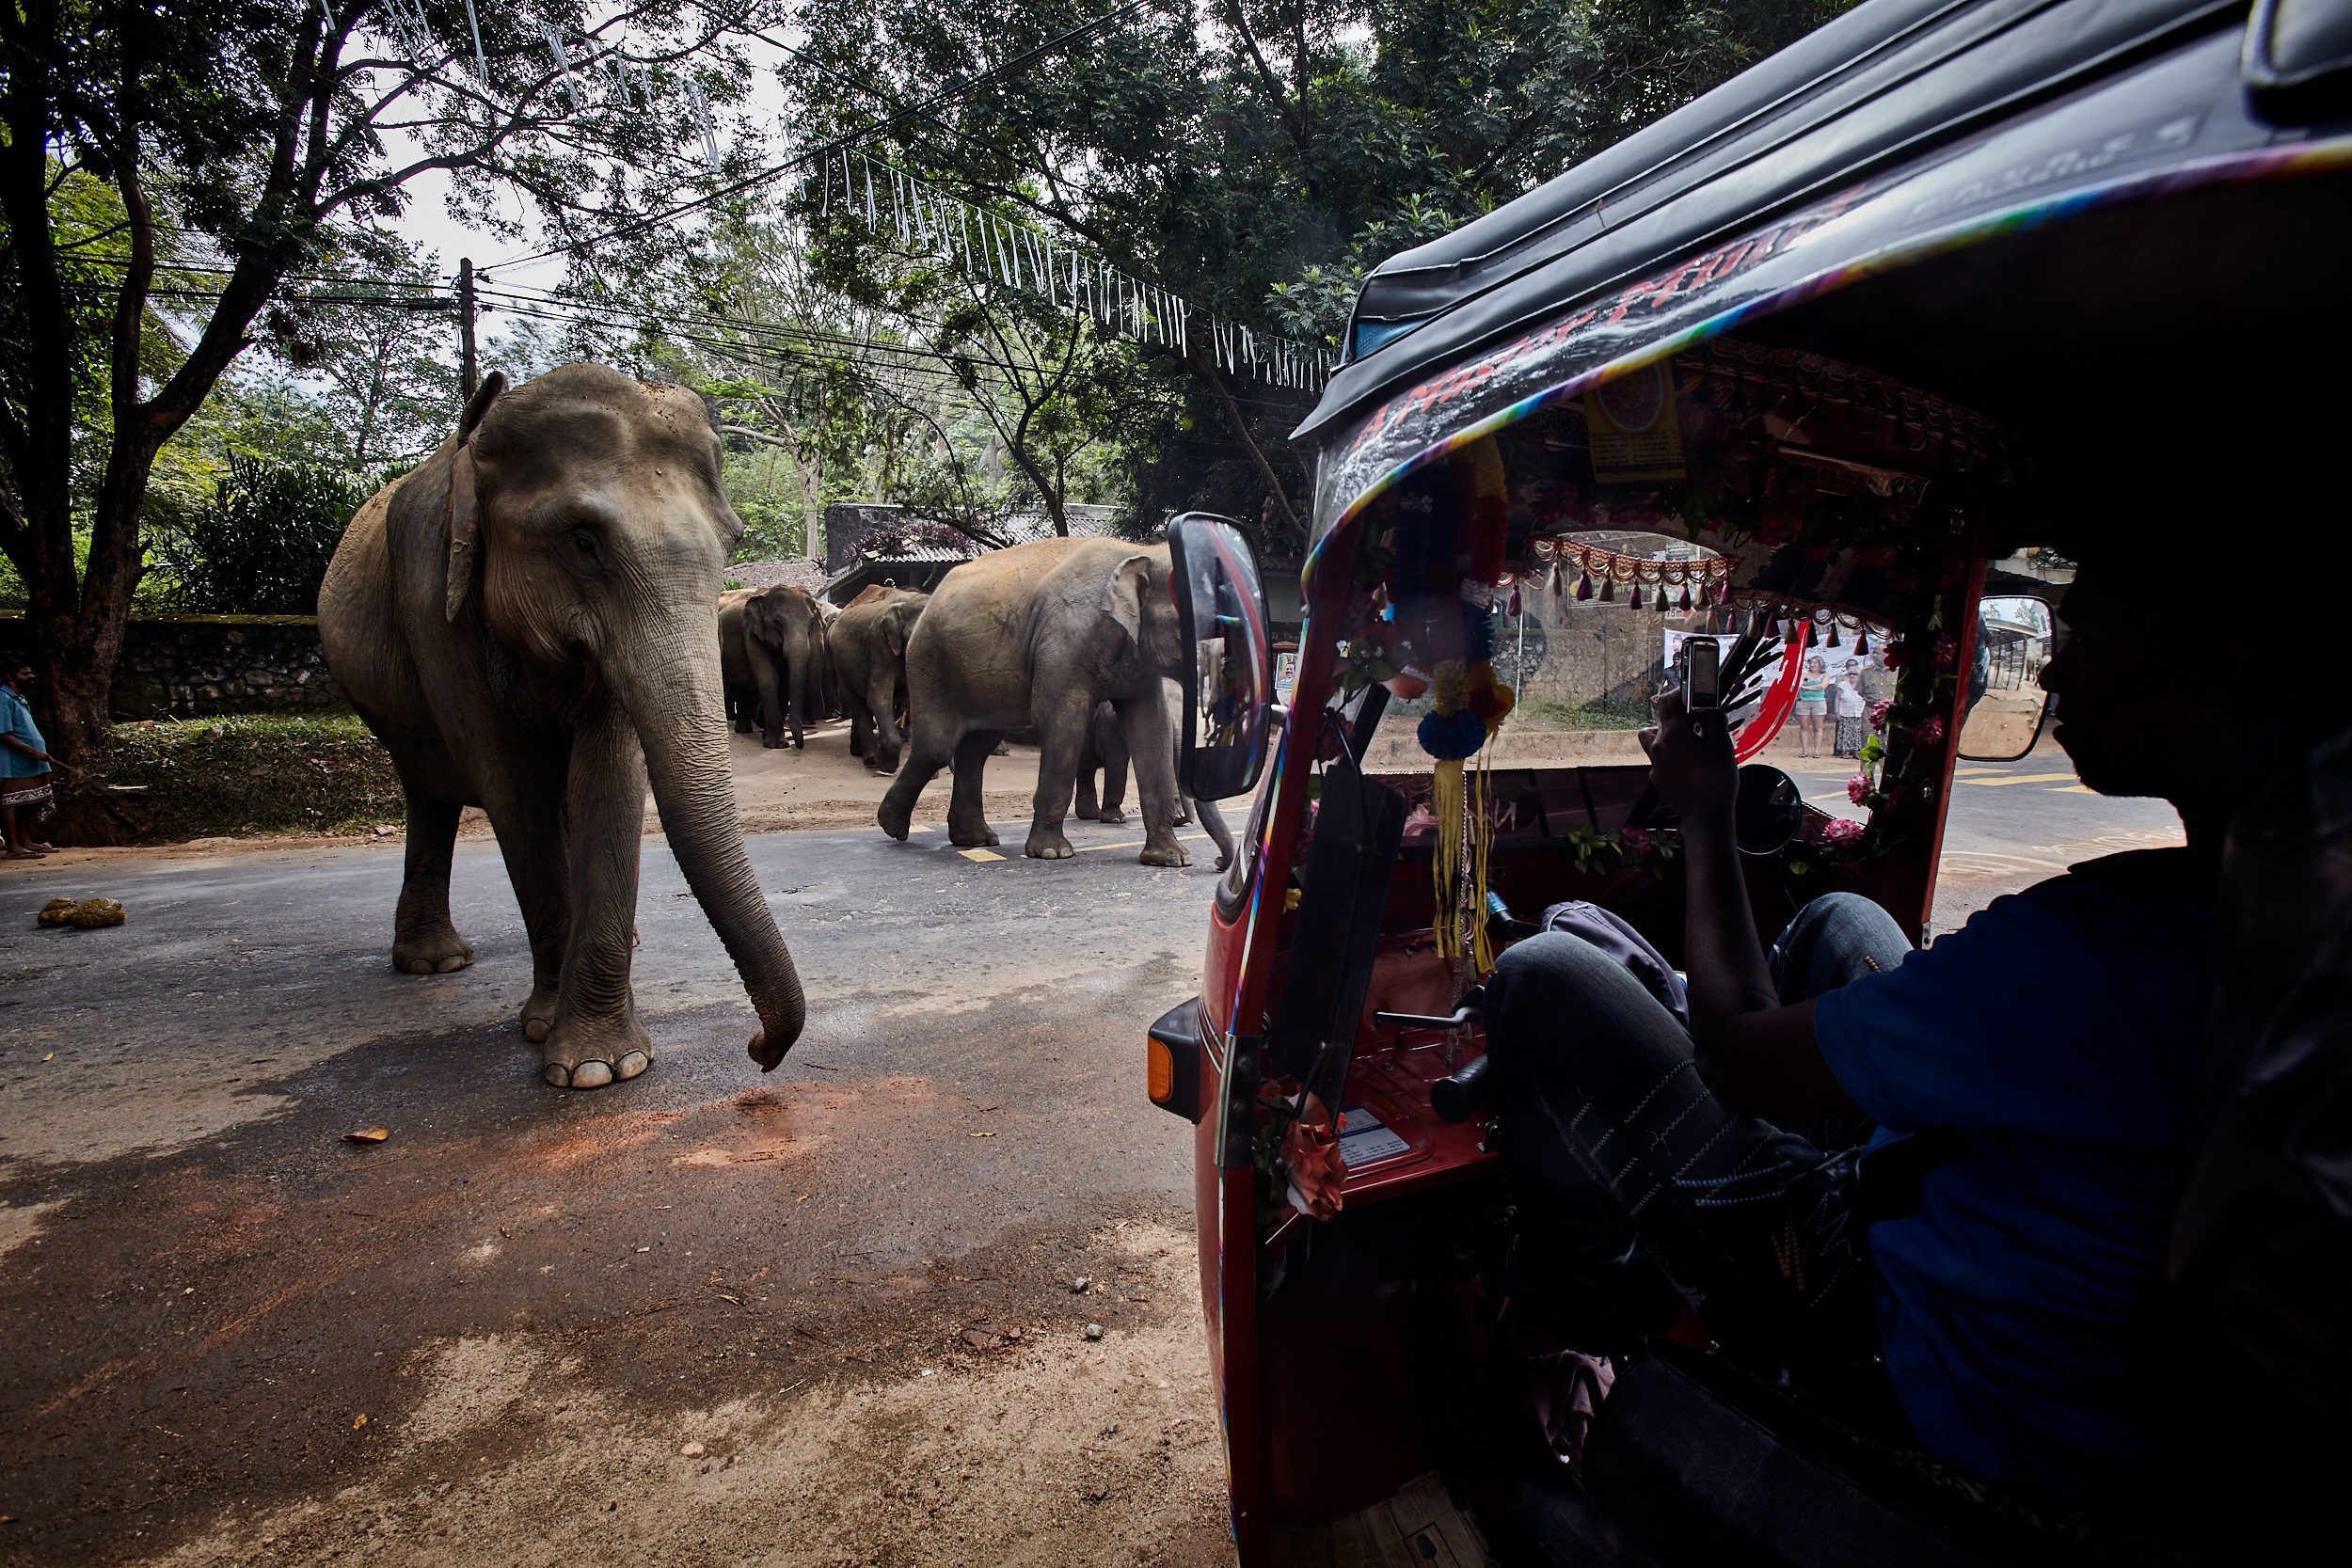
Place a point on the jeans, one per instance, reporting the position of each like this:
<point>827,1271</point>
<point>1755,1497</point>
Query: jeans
<point>1606,1126</point>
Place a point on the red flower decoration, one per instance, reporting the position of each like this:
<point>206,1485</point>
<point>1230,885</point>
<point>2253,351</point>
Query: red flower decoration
<point>1311,1151</point>
<point>1841,830</point>
<point>1634,841</point>
<point>1929,735</point>
<point>1879,710</point>
<point>1858,790</point>
<point>1947,652</point>
<point>1896,658</point>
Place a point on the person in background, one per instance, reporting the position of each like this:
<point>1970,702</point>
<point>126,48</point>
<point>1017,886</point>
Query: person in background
<point>1812,706</point>
<point>1878,682</point>
<point>1847,706</point>
<point>25,765</point>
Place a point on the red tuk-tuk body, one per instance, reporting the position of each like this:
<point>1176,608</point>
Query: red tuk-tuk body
<point>1897,294</point>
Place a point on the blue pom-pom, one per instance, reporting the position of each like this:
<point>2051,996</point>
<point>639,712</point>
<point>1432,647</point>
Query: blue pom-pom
<point>1451,737</point>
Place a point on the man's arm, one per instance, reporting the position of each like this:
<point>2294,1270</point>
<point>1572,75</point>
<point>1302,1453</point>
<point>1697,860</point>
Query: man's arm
<point>1759,1057</point>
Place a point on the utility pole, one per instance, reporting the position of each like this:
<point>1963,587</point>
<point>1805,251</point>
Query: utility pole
<point>469,372</point>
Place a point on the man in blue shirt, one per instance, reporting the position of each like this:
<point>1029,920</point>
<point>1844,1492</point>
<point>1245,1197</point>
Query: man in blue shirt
<point>2029,1083</point>
<point>25,764</point>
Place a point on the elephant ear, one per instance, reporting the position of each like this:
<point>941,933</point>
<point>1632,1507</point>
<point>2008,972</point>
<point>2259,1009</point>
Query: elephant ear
<point>895,634</point>
<point>464,503</point>
<point>1126,595</point>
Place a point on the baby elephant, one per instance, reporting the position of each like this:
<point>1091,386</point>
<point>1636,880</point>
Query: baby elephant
<point>1107,753</point>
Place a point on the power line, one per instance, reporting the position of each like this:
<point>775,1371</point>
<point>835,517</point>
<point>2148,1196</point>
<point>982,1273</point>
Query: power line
<point>945,95</point>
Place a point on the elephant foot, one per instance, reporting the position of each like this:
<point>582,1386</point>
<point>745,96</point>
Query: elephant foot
<point>1111,814</point>
<point>1085,812</point>
<point>981,837</point>
<point>582,1055</point>
<point>771,743</point>
<point>441,952</point>
<point>893,819</point>
<point>539,1012</point>
<point>1171,853</point>
<point>742,729</point>
<point>1184,816</point>
<point>1047,843</point>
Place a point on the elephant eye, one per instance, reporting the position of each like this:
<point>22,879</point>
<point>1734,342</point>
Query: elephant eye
<point>584,542</point>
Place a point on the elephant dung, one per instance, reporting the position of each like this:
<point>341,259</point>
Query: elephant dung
<point>86,914</point>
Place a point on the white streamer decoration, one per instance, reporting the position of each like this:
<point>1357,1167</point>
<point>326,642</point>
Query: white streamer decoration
<point>563,58</point>
<point>700,104</point>
<point>1021,257</point>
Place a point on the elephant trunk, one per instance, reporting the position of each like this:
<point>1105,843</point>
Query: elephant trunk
<point>675,699</point>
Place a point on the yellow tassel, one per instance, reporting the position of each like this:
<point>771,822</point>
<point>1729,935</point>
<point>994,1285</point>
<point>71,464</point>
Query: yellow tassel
<point>1483,835</point>
<point>1445,860</point>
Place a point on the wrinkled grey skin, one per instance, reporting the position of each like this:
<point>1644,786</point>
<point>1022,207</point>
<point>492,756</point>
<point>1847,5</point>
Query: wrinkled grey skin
<point>771,646</point>
<point>869,657</point>
<point>1107,753</point>
<point>1041,634</point>
<point>525,620</point>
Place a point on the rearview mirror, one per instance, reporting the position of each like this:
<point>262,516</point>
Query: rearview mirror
<point>1228,678</point>
<point>1768,810</point>
<point>2006,702</point>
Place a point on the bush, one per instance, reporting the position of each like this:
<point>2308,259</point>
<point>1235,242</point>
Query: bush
<point>260,545</point>
<point>254,773</point>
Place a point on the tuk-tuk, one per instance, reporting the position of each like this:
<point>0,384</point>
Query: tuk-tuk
<point>1793,371</point>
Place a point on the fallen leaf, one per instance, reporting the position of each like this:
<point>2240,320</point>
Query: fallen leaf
<point>979,1134</point>
<point>51,1057</point>
<point>368,1136</point>
<point>358,1422</point>
<point>644,1249</point>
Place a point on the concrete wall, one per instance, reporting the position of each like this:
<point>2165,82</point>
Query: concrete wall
<point>195,666</point>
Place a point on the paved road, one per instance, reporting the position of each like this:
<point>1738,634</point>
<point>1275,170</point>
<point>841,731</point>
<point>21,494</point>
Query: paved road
<point>819,1316</point>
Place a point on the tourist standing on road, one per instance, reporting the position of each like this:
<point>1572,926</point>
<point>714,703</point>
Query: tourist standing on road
<point>1812,706</point>
<point>24,762</point>
<point>1847,706</point>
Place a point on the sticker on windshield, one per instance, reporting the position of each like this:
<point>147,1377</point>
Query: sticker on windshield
<point>1365,1137</point>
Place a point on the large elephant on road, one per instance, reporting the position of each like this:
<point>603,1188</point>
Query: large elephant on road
<point>870,656</point>
<point>772,645</point>
<point>1040,635</point>
<point>526,621</point>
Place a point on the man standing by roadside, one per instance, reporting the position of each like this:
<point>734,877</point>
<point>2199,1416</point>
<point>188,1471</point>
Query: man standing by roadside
<point>25,764</point>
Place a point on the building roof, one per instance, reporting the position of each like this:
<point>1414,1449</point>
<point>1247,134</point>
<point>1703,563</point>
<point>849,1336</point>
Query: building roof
<point>803,574</point>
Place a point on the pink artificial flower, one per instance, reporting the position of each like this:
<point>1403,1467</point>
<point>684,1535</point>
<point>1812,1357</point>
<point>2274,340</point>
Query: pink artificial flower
<point>1841,830</point>
<point>1634,841</point>
<point>1929,735</point>
<point>1947,652</point>
<point>1879,711</point>
<point>1858,790</point>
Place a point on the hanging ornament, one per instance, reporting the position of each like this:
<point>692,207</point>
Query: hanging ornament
<point>1684,603</point>
<point>1608,588</point>
<point>1514,608</point>
<point>1832,634</point>
<point>1584,585</point>
<point>1661,604</point>
<point>1861,643</point>
<point>1554,583</point>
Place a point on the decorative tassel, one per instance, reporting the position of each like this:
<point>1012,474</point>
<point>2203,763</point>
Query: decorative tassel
<point>1514,608</point>
<point>1638,599</point>
<point>1661,604</point>
<point>1684,603</point>
<point>1554,583</point>
<point>1584,586</point>
<point>1608,588</point>
<point>1832,634</point>
<point>1861,643</point>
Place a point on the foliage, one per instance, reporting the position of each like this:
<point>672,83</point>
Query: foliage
<point>173,173</point>
<point>260,545</point>
<point>1258,156</point>
<point>254,773</point>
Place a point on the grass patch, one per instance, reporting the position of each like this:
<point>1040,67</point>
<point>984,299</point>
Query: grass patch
<point>1597,713</point>
<point>254,773</point>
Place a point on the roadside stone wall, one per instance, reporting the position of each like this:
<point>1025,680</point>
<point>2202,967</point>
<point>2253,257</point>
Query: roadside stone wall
<point>196,666</point>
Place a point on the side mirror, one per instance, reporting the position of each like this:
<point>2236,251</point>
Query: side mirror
<point>1227,675</point>
<point>1767,811</point>
<point>2007,706</point>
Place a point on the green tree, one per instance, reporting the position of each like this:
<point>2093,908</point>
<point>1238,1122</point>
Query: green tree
<point>1257,156</point>
<point>266,139</point>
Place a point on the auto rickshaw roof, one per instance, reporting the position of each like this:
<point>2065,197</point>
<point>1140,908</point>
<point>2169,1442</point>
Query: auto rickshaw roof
<point>1905,132</point>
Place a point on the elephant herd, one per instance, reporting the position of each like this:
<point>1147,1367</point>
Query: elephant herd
<point>530,621</point>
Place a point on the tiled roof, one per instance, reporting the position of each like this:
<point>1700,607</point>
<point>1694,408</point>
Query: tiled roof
<point>801,573</point>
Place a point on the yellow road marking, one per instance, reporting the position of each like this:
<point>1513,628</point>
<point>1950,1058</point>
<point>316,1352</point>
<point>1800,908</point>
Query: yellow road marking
<point>2021,778</point>
<point>2075,789</point>
<point>980,854</point>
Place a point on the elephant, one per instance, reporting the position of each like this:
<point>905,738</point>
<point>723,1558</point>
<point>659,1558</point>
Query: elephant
<point>1041,634</point>
<point>771,642</point>
<point>526,621</point>
<point>1106,752</point>
<point>869,652</point>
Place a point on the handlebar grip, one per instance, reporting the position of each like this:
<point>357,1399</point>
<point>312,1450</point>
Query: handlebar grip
<point>1458,1098</point>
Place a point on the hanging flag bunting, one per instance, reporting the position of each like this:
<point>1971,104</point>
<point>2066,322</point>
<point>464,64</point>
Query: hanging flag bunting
<point>563,58</point>
<point>700,104</point>
<point>481,65</point>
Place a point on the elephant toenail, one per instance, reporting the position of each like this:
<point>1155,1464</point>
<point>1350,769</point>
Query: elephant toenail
<point>592,1075</point>
<point>536,1030</point>
<point>634,1062</point>
<point>451,965</point>
<point>557,1074</point>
